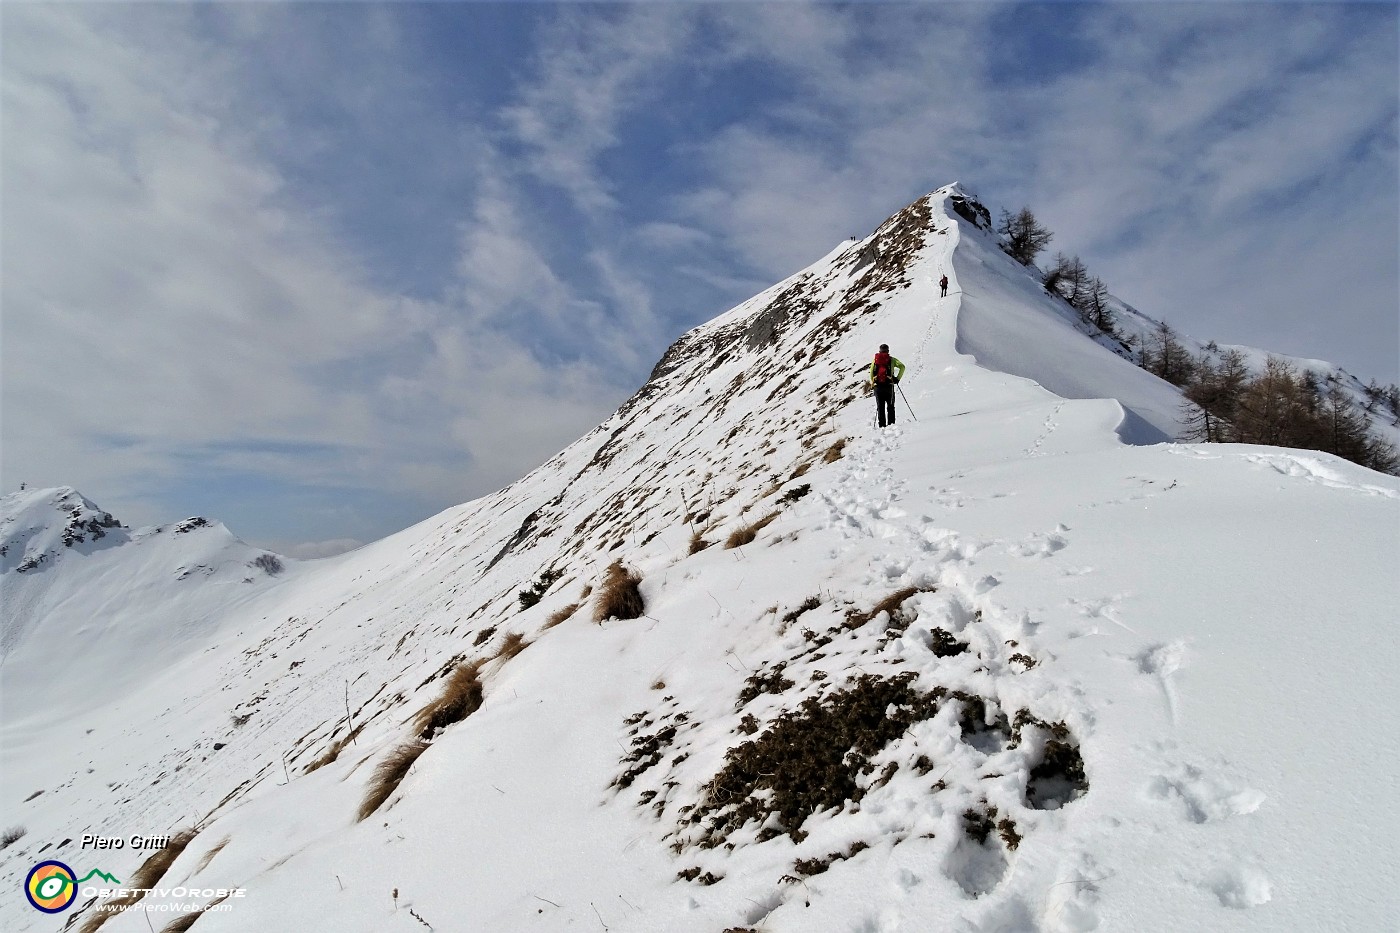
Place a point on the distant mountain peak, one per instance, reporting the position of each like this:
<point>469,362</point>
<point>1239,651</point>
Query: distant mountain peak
<point>38,524</point>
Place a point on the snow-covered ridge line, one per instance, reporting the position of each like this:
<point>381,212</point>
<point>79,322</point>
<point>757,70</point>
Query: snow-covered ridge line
<point>979,671</point>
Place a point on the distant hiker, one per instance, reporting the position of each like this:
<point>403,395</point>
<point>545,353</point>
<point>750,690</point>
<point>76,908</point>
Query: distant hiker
<point>943,284</point>
<point>885,373</point>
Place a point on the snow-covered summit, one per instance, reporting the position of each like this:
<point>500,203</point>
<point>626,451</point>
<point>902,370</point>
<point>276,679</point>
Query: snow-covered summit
<point>38,525</point>
<point>990,669</point>
<point>83,593</point>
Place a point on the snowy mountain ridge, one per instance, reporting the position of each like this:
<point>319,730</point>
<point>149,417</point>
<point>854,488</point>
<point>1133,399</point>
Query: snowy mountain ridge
<point>993,669</point>
<point>1134,335</point>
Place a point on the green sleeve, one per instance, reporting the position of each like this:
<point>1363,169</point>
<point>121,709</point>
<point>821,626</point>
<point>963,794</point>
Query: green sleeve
<point>896,364</point>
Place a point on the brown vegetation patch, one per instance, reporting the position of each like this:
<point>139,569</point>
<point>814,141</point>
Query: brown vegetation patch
<point>514,644</point>
<point>761,682</point>
<point>833,453</point>
<point>797,492</point>
<point>808,605</point>
<point>693,874</point>
<point>388,774</point>
<point>1059,778</point>
<point>815,866</point>
<point>620,596</point>
<point>150,872</point>
<point>745,534</point>
<point>461,696</point>
<point>892,604</point>
<point>979,824</point>
<point>209,856</point>
<point>561,615</point>
<point>810,758</point>
<point>651,739</point>
<point>1006,828</point>
<point>945,645</point>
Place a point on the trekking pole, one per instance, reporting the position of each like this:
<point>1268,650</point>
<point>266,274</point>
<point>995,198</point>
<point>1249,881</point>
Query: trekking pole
<point>906,401</point>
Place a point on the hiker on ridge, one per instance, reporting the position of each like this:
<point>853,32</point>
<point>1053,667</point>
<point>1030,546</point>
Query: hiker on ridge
<point>884,378</point>
<point>943,284</point>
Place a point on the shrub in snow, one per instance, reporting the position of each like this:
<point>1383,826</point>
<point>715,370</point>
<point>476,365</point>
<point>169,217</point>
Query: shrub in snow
<point>268,563</point>
<point>620,596</point>
<point>810,758</point>
<point>533,594</point>
<point>792,495</point>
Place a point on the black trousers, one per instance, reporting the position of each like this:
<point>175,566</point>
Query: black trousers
<point>884,402</point>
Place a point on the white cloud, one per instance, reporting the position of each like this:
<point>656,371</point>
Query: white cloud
<point>1227,184</point>
<point>589,71</point>
<point>313,550</point>
<point>170,307</point>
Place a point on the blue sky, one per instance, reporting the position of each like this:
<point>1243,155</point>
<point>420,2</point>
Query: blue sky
<point>321,270</point>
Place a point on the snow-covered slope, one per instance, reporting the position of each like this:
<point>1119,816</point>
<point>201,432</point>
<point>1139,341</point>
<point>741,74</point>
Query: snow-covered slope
<point>90,597</point>
<point>993,669</point>
<point>1008,322</point>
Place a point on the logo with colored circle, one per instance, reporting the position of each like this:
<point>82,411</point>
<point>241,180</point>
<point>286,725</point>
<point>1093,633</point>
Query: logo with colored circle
<point>51,887</point>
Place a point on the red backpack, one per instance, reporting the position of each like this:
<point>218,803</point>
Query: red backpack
<point>882,367</point>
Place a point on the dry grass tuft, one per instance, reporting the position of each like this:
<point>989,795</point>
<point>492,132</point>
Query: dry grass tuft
<point>334,751</point>
<point>209,856</point>
<point>154,868</point>
<point>514,644</point>
<point>184,923</point>
<point>697,543</point>
<point>620,596</point>
<point>833,453</point>
<point>461,696</point>
<point>389,773</point>
<point>560,616</point>
<point>891,604</point>
<point>150,872</point>
<point>741,536</point>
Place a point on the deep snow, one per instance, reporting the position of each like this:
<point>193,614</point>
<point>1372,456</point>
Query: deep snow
<point>1210,624</point>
